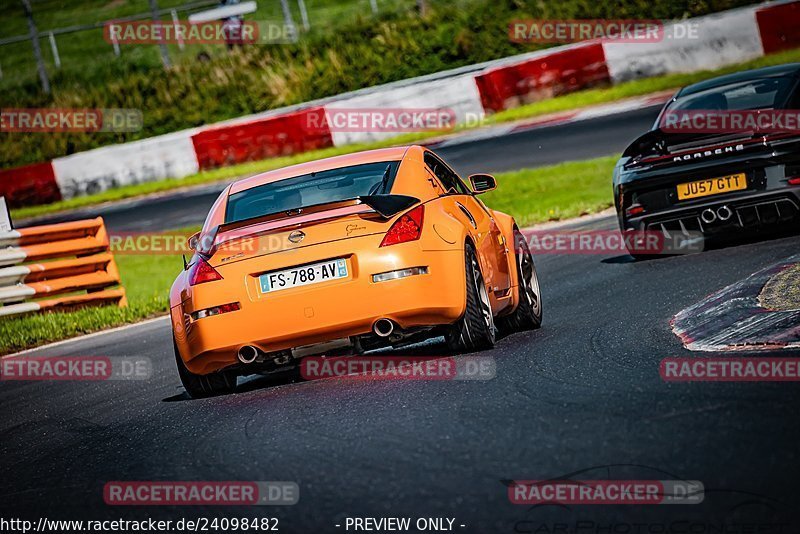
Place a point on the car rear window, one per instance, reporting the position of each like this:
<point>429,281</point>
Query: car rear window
<point>311,189</point>
<point>761,93</point>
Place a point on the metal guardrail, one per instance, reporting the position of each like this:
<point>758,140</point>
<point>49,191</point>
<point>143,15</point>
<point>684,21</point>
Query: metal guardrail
<point>35,277</point>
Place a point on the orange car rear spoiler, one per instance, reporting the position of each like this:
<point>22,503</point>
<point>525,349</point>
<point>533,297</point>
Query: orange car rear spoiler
<point>386,206</point>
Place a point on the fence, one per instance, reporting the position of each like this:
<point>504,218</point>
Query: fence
<point>78,46</point>
<point>57,267</point>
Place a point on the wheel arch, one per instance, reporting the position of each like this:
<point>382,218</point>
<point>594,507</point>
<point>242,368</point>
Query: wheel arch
<point>508,225</point>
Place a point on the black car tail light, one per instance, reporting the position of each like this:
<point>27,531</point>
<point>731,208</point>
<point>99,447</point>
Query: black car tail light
<point>634,210</point>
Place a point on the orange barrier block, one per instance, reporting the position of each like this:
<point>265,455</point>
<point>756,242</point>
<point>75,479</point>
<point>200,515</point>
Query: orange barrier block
<point>111,296</point>
<point>82,262</point>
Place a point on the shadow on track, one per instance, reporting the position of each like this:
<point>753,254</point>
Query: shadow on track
<point>430,348</point>
<point>715,243</point>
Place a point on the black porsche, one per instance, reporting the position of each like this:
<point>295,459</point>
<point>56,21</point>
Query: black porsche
<point>728,172</point>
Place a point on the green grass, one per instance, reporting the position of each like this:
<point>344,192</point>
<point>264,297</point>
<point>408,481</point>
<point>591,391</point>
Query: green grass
<point>553,105</point>
<point>554,193</point>
<point>83,53</point>
<point>532,195</point>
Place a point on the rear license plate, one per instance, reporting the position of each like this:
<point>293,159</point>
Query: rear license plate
<point>712,186</point>
<point>303,276</point>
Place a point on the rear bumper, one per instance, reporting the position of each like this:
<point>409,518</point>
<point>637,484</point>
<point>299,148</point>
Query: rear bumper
<point>331,310</point>
<point>751,211</point>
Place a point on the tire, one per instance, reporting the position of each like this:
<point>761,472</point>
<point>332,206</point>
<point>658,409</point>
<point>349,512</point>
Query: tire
<point>201,386</point>
<point>634,252</point>
<point>475,330</point>
<point>528,314</point>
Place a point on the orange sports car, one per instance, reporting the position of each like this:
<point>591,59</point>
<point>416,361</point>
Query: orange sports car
<point>346,255</point>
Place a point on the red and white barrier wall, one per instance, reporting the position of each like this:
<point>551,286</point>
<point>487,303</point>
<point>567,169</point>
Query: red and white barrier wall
<point>721,39</point>
<point>281,134</point>
<point>457,93</point>
<point>550,74</point>
<point>778,26</point>
<point>31,184</point>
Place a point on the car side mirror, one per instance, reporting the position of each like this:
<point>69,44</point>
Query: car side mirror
<point>482,183</point>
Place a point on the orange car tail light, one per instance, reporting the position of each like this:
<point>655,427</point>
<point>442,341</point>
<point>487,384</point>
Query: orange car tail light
<point>201,272</point>
<point>407,228</point>
<point>218,310</point>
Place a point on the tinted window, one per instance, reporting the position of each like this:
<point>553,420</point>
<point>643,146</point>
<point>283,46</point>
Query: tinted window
<point>764,93</point>
<point>311,189</point>
<point>446,175</point>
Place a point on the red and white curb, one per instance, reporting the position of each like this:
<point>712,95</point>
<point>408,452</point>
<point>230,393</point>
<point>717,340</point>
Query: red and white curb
<point>732,319</point>
<point>724,38</point>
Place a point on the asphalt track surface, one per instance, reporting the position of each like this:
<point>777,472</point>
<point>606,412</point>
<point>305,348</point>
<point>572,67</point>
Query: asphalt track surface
<point>582,394</point>
<point>547,145</point>
<point>579,398</point>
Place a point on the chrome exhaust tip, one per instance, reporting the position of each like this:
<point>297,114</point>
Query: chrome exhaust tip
<point>708,216</point>
<point>724,213</point>
<point>383,328</point>
<point>248,354</point>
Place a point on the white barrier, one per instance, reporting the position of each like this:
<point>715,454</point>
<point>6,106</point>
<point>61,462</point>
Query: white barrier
<point>722,39</point>
<point>459,94</point>
<point>5,217</point>
<point>148,160</point>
